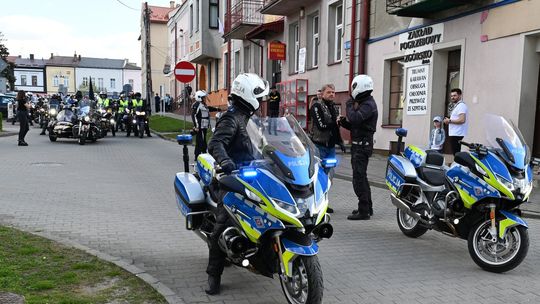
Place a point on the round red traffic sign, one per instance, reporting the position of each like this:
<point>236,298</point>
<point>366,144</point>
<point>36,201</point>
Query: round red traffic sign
<point>184,71</point>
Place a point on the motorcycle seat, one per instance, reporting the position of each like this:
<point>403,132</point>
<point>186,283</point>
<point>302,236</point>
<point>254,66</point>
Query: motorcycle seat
<point>434,158</point>
<point>432,175</point>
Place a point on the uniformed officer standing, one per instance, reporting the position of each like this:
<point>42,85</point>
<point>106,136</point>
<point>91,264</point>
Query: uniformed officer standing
<point>362,121</point>
<point>200,115</point>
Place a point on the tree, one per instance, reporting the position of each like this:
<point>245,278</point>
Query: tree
<point>9,71</point>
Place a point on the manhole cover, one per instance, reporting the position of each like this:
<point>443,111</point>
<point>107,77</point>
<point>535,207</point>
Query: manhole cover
<point>11,298</point>
<point>47,164</point>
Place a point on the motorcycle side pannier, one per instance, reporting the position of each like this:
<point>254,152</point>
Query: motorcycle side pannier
<point>190,199</point>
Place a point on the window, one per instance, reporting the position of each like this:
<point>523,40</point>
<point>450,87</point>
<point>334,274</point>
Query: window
<point>113,83</point>
<point>23,80</point>
<point>339,33</point>
<point>216,74</point>
<point>93,79</point>
<point>294,41</point>
<point>34,81</point>
<point>395,109</point>
<point>214,14</point>
<point>66,81</point>
<point>85,81</point>
<point>236,63</point>
<point>197,14</point>
<point>313,43</point>
<point>247,59</point>
<point>55,81</point>
<point>191,20</point>
<point>209,68</point>
<point>100,83</point>
<point>226,69</point>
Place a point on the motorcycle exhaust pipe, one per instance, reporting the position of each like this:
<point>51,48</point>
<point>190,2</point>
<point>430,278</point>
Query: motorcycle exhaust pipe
<point>404,207</point>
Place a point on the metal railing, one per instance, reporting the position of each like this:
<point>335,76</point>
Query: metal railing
<point>244,12</point>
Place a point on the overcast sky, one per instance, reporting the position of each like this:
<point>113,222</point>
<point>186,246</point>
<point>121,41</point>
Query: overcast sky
<point>97,28</point>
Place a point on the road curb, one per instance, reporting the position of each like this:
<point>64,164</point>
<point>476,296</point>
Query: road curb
<point>7,133</point>
<point>169,295</point>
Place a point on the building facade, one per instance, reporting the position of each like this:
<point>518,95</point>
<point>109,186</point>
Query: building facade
<point>489,49</point>
<point>106,75</point>
<point>60,74</point>
<point>30,74</point>
<point>131,74</point>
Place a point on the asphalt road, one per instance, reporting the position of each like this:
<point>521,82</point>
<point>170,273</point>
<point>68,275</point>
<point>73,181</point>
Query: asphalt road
<point>116,197</point>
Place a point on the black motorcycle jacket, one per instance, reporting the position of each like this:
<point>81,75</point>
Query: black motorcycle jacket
<point>323,127</point>
<point>231,140</point>
<point>362,121</point>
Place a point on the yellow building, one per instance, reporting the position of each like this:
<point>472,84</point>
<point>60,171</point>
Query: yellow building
<point>60,74</point>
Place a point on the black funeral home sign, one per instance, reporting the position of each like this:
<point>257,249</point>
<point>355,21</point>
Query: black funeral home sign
<point>417,45</point>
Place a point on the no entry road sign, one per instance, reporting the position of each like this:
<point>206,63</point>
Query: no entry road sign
<point>184,71</point>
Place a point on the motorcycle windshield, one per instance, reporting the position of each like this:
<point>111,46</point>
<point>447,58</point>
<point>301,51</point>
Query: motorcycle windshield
<point>506,139</point>
<point>65,115</point>
<point>84,110</point>
<point>282,140</point>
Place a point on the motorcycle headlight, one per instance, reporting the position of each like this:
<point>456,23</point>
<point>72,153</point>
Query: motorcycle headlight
<point>86,118</point>
<point>506,183</point>
<point>522,185</point>
<point>287,207</point>
<point>52,111</point>
<point>134,121</point>
<point>143,113</point>
<point>252,196</point>
<point>109,111</point>
<point>112,121</point>
<point>137,113</point>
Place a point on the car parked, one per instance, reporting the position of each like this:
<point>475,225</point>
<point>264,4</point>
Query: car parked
<point>4,101</point>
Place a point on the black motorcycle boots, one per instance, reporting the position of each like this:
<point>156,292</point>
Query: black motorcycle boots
<point>214,283</point>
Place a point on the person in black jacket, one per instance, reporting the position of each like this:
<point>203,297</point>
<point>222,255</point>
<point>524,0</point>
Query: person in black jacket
<point>274,100</point>
<point>230,146</point>
<point>362,121</point>
<point>23,105</point>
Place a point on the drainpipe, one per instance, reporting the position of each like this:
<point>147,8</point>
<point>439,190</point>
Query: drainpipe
<point>364,36</point>
<point>228,73</point>
<point>262,54</point>
<point>353,43</point>
<point>175,60</point>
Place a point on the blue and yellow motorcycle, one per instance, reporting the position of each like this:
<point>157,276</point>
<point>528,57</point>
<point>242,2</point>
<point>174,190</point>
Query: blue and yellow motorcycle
<point>477,198</point>
<point>276,204</point>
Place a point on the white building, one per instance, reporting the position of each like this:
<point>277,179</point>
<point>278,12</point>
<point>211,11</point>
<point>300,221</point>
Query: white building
<point>30,74</point>
<point>106,75</point>
<point>131,74</point>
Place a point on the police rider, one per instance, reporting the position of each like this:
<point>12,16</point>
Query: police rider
<point>362,121</point>
<point>103,100</point>
<point>123,104</point>
<point>137,102</point>
<point>200,115</point>
<point>230,146</point>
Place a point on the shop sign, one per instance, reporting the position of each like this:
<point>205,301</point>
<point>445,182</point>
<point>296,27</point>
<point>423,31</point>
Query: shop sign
<point>417,89</point>
<point>276,50</point>
<point>417,45</point>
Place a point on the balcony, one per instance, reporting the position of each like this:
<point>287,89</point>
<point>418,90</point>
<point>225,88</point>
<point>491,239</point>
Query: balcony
<point>284,7</point>
<point>421,8</point>
<point>243,17</point>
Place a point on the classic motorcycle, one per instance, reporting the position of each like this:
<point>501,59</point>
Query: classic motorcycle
<point>477,198</point>
<point>107,121</point>
<point>70,125</point>
<point>277,205</point>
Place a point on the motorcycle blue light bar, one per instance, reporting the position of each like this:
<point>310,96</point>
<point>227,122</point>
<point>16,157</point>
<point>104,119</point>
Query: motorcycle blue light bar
<point>329,162</point>
<point>184,139</point>
<point>248,173</point>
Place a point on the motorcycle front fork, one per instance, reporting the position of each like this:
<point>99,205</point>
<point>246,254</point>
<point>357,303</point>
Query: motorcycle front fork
<point>493,226</point>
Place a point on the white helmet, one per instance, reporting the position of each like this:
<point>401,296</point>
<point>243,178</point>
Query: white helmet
<point>249,88</point>
<point>361,84</point>
<point>199,95</point>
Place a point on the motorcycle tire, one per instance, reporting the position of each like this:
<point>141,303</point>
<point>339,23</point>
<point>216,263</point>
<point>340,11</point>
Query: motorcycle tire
<point>308,270</point>
<point>113,131</point>
<point>410,226</point>
<point>514,234</point>
<point>141,133</point>
<point>82,139</point>
<point>53,138</point>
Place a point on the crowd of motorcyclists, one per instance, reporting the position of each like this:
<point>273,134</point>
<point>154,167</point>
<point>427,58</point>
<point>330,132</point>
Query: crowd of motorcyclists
<point>68,115</point>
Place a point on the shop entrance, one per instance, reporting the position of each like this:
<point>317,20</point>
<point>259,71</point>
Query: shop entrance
<point>452,81</point>
<point>536,139</point>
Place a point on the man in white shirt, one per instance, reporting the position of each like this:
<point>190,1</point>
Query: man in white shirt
<point>458,124</point>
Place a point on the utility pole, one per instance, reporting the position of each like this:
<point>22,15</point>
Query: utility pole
<point>148,63</point>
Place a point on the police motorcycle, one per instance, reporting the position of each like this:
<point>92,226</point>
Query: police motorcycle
<point>278,205</point>
<point>139,122</point>
<point>477,198</point>
<point>75,122</point>
<point>106,120</point>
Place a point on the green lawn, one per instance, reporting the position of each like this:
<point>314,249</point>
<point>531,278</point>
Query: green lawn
<point>164,124</point>
<point>46,272</point>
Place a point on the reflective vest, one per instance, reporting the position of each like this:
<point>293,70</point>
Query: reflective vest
<point>105,102</point>
<point>136,103</point>
<point>123,104</point>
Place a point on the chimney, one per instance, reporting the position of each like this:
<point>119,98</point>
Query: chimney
<point>172,4</point>
<point>31,56</point>
<point>52,55</point>
<point>79,57</point>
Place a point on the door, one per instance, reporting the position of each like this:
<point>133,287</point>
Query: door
<point>452,81</point>
<point>276,71</point>
<point>536,139</point>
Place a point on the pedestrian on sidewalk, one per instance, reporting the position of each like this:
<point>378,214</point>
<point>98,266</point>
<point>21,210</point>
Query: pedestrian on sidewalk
<point>458,123</point>
<point>362,121</point>
<point>157,100</point>
<point>274,100</point>
<point>23,106</point>
<point>437,135</point>
<point>200,115</point>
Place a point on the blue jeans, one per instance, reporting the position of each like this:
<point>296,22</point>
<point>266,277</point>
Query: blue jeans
<point>326,152</point>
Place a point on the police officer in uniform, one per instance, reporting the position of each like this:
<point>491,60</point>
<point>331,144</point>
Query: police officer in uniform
<point>137,102</point>
<point>123,103</point>
<point>231,146</point>
<point>103,100</point>
<point>362,121</point>
<point>200,115</point>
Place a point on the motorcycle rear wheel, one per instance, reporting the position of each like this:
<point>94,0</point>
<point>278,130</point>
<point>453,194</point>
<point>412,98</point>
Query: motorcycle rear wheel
<point>498,257</point>
<point>82,139</point>
<point>410,226</point>
<point>53,138</point>
<point>306,285</point>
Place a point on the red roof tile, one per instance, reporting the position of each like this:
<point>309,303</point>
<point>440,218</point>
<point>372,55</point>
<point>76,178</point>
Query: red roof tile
<point>159,14</point>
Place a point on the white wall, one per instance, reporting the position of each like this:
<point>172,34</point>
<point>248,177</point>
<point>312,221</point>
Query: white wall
<point>136,76</point>
<point>106,74</point>
<point>29,73</point>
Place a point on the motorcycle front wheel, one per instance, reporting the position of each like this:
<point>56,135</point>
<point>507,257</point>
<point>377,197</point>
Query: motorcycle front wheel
<point>82,139</point>
<point>500,256</point>
<point>306,285</point>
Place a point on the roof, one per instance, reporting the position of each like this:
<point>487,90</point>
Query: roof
<point>264,29</point>
<point>131,66</point>
<point>62,61</point>
<point>159,14</point>
<point>11,58</point>
<point>103,63</point>
<point>30,63</point>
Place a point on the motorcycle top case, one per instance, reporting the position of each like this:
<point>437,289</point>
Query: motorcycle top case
<point>205,168</point>
<point>189,193</point>
<point>399,170</point>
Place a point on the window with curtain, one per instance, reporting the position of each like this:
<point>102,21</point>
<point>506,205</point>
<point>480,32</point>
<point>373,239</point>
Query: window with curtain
<point>213,14</point>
